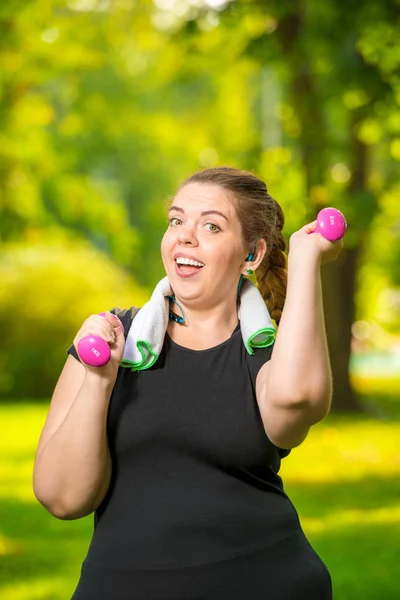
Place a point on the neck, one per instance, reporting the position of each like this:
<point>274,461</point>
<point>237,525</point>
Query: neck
<point>205,327</point>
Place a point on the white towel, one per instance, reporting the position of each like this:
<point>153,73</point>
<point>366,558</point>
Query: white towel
<point>146,336</point>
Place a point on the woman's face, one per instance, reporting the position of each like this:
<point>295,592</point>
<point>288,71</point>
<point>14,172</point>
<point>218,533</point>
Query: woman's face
<point>203,227</point>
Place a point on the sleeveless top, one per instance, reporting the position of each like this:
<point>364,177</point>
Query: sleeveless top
<point>194,476</point>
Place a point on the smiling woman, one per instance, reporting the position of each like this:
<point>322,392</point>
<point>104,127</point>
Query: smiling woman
<point>178,456</point>
<point>243,219</point>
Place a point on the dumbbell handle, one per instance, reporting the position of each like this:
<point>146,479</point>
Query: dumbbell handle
<point>331,224</point>
<point>93,350</point>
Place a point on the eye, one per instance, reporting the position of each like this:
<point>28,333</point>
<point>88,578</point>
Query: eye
<point>212,228</point>
<point>174,221</point>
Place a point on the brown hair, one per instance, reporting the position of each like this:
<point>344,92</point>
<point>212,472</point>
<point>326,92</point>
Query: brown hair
<point>261,217</point>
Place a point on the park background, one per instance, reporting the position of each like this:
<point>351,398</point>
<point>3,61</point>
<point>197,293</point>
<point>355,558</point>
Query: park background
<point>105,107</point>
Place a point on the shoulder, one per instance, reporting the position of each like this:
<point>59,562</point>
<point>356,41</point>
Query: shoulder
<point>257,360</point>
<point>258,364</point>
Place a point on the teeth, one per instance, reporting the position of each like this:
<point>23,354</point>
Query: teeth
<point>188,261</point>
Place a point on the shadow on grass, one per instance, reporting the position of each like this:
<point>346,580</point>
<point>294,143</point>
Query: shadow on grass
<point>362,560</point>
<point>367,493</point>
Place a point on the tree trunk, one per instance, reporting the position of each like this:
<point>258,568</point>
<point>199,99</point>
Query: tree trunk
<point>338,278</point>
<point>338,281</point>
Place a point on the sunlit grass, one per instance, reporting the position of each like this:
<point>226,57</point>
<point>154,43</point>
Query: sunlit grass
<point>40,557</point>
<point>344,481</point>
<point>48,588</point>
<point>371,384</point>
<point>345,449</point>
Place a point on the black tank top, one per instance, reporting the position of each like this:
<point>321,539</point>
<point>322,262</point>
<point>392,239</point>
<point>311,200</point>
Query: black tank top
<point>194,474</point>
<point>194,478</point>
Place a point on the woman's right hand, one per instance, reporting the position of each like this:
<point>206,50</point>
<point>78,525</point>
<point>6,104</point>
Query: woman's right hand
<point>109,328</point>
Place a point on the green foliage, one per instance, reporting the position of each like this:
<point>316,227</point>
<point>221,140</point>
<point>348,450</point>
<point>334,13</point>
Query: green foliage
<point>50,288</point>
<point>343,480</point>
<point>113,120</point>
<point>378,295</point>
<point>105,107</point>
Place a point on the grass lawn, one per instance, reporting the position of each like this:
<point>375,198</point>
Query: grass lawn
<point>344,481</point>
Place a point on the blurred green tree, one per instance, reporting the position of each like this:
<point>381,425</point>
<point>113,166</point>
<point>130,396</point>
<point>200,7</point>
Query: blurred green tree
<point>329,95</point>
<point>106,106</point>
<point>48,290</point>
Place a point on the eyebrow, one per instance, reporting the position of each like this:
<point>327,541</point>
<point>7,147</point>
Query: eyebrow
<point>203,214</point>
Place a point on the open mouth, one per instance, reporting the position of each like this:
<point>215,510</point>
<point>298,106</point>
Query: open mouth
<point>188,266</point>
<point>188,262</point>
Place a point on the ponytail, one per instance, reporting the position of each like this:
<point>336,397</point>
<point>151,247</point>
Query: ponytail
<point>271,277</point>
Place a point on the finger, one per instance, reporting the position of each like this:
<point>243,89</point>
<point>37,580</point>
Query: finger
<point>106,333</point>
<point>112,319</point>
<point>107,327</point>
<point>116,324</point>
<point>310,227</point>
<point>100,326</point>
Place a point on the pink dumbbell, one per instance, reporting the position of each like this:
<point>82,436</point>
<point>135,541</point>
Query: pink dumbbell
<point>331,224</point>
<point>93,350</point>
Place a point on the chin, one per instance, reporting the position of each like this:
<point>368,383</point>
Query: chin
<point>186,289</point>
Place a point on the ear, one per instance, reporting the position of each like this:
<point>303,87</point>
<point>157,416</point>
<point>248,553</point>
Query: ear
<point>258,255</point>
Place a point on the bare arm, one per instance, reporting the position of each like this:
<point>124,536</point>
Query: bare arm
<point>294,389</point>
<point>73,466</point>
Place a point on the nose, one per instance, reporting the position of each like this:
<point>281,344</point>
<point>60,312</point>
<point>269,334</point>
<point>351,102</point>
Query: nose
<point>187,235</point>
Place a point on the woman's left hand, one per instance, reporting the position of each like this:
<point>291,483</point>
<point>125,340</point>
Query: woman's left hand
<point>304,241</point>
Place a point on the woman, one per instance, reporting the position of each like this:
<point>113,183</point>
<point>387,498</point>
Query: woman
<point>180,461</point>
